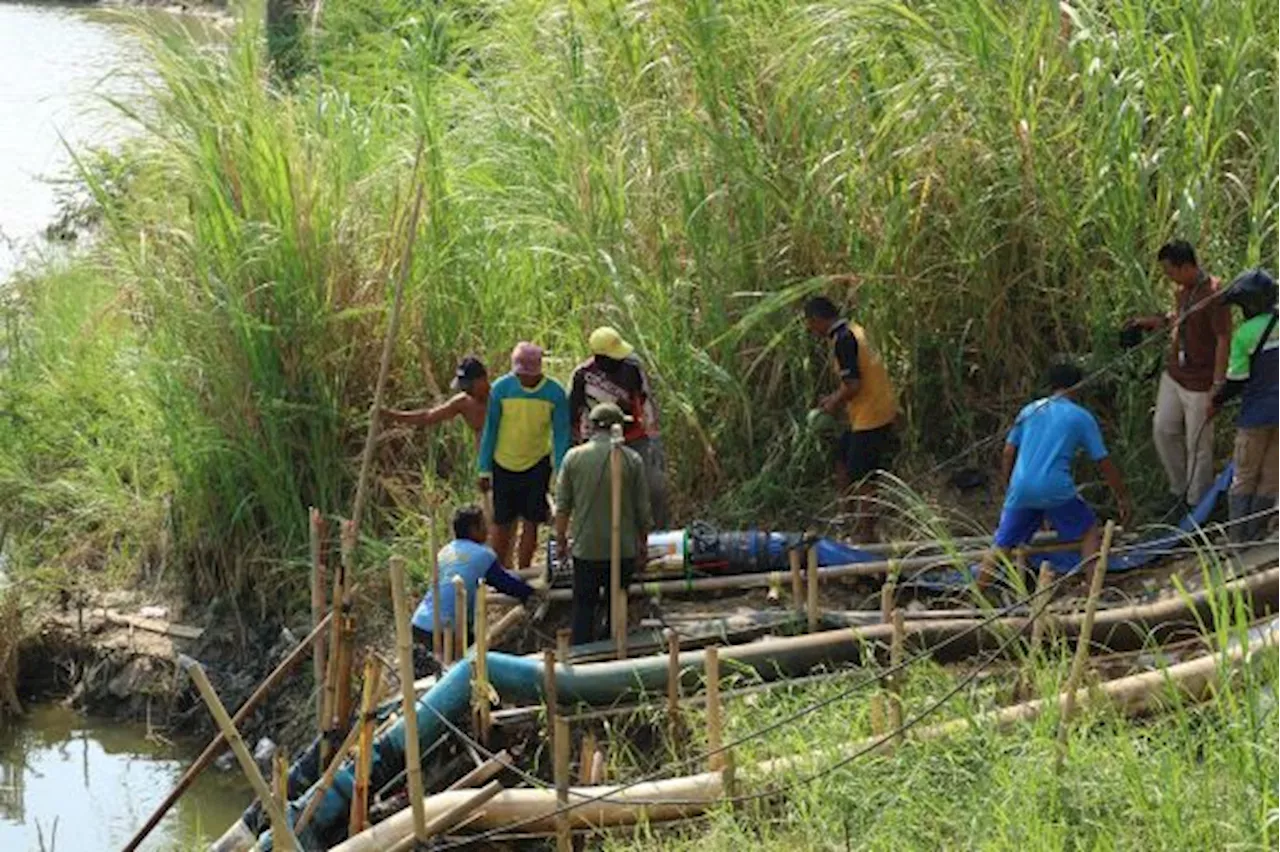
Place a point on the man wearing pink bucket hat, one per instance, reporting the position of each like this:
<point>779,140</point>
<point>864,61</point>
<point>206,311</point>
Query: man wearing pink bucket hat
<point>525,437</point>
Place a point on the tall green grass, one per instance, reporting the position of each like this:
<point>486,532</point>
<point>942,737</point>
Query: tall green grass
<point>998,176</point>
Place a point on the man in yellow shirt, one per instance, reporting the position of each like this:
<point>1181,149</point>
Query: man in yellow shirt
<point>865,399</point>
<point>525,438</point>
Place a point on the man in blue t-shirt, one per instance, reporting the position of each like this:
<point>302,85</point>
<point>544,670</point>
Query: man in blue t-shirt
<point>468,557</point>
<point>1036,466</point>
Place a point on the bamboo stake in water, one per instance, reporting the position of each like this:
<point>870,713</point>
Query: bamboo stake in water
<point>370,688</point>
<point>797,580</point>
<point>409,699</point>
<point>460,617</point>
<point>813,589</point>
<point>1082,642</point>
<point>480,689</point>
<point>284,839</point>
<point>318,584</point>
<point>617,595</point>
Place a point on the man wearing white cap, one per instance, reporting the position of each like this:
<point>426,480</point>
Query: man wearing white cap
<point>525,438</point>
<point>613,374</point>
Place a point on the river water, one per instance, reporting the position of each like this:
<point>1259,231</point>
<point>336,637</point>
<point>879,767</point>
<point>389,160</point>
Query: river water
<point>68,783</point>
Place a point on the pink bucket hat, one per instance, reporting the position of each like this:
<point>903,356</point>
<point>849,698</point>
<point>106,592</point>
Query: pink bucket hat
<point>526,359</point>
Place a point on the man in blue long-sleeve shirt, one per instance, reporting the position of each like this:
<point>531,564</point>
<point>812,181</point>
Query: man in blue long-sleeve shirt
<point>467,557</point>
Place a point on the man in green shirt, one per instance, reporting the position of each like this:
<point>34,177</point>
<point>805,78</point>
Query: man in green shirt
<point>1253,375</point>
<point>584,506</point>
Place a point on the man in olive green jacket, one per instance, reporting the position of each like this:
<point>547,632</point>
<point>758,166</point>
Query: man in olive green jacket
<point>583,502</point>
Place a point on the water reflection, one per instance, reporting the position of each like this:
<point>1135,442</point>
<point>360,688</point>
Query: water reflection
<point>98,782</point>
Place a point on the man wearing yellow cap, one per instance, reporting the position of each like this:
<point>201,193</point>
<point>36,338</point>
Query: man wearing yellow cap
<point>613,374</point>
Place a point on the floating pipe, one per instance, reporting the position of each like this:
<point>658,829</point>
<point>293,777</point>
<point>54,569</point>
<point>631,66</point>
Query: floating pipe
<point>518,680</point>
<point>690,796</point>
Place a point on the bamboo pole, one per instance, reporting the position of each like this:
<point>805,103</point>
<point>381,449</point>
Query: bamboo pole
<point>318,583</point>
<point>448,646</point>
<point>888,594</point>
<point>388,347</point>
<point>564,840</point>
<point>484,772</point>
<point>1099,570</point>
<point>643,586</point>
<point>896,645</point>
<point>280,777</point>
<point>346,653</point>
<point>359,817</point>
<point>797,580</point>
<point>316,793</point>
<point>673,682</point>
<point>342,688</point>
<point>1040,610</point>
<point>550,696</point>
<point>480,671</point>
<point>588,749</point>
<point>437,641</point>
<point>617,596</point>
<point>597,767</point>
<point>813,590</point>
<point>558,732</point>
<point>453,816</point>
<point>409,699</point>
<point>596,808</point>
<point>1133,696</point>
<point>284,839</point>
<point>715,739</point>
<point>1039,617</point>
<point>564,645</point>
<point>460,616</point>
<point>329,695</point>
<point>211,751</point>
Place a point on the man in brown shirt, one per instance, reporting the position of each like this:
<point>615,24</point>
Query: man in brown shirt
<point>1195,367</point>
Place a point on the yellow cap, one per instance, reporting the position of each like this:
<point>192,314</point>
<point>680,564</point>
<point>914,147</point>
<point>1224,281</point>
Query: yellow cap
<point>606,341</point>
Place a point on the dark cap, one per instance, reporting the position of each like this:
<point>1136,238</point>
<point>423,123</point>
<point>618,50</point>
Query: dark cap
<point>469,369</point>
<point>607,414</point>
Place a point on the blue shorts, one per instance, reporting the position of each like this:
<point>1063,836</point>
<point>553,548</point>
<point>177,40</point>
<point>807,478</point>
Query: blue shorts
<point>1071,519</point>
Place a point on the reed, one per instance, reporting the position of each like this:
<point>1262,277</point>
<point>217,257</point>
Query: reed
<point>683,170</point>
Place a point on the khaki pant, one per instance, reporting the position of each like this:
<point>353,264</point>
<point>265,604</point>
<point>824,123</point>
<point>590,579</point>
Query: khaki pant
<point>1256,461</point>
<point>1253,486</point>
<point>1183,435</point>
<point>655,472</point>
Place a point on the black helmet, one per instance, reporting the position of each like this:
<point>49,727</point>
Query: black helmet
<point>1254,291</point>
